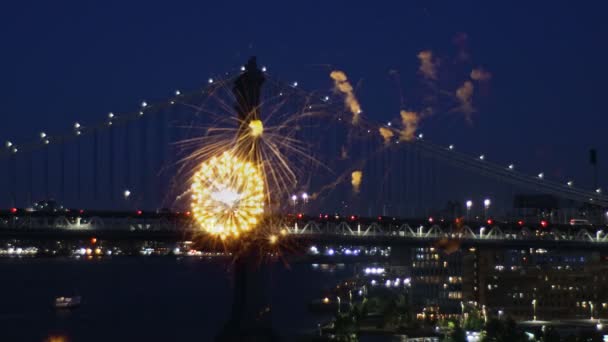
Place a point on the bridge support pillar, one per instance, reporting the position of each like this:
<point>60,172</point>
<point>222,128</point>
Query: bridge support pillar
<point>251,316</point>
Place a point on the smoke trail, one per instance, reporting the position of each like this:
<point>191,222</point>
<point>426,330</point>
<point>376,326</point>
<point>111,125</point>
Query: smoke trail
<point>341,84</point>
<point>428,67</point>
<point>355,180</point>
<point>480,75</point>
<point>387,134</point>
<point>410,125</point>
<point>464,94</point>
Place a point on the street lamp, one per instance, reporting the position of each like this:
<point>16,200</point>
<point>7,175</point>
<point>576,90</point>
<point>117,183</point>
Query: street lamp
<point>305,197</point>
<point>127,194</point>
<point>534,309</point>
<point>469,205</point>
<point>486,206</point>
<point>294,201</point>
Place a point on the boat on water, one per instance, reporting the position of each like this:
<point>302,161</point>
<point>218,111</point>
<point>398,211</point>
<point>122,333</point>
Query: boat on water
<point>67,302</point>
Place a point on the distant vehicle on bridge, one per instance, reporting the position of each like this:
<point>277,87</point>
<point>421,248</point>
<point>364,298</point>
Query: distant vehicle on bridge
<point>580,222</point>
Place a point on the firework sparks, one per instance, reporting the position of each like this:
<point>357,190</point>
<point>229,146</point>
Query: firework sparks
<point>386,134</point>
<point>342,85</point>
<point>227,195</point>
<point>256,127</point>
<point>464,94</point>
<point>410,124</point>
<point>428,66</point>
<point>355,180</point>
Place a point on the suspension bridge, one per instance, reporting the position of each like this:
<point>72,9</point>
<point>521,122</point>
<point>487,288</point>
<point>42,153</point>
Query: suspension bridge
<point>115,177</point>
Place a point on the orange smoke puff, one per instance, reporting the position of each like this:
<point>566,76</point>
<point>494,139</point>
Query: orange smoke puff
<point>355,180</point>
<point>410,125</point>
<point>428,67</point>
<point>479,74</point>
<point>342,85</point>
<point>464,95</point>
<point>387,134</point>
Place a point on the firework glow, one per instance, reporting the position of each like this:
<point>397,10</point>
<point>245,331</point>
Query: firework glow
<point>227,195</point>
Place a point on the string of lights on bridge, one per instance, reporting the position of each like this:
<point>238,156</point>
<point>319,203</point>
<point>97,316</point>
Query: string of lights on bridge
<point>79,129</point>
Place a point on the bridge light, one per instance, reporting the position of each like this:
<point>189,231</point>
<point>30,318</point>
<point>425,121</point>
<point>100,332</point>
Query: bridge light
<point>9,144</point>
<point>451,147</point>
<point>544,223</point>
<point>127,193</point>
<point>210,80</point>
<point>431,219</point>
<point>178,93</point>
<point>598,190</point>
<point>14,150</point>
<point>76,125</point>
<point>486,203</point>
<point>144,104</point>
<point>300,215</point>
<point>389,124</point>
<point>490,221</point>
<point>469,204</point>
<point>294,84</point>
<point>326,98</point>
<point>520,222</point>
<point>511,166</point>
<point>42,135</point>
<point>352,217</point>
<point>46,141</point>
<point>110,115</point>
<point>242,68</point>
<point>13,210</point>
<point>570,183</point>
<point>139,212</point>
<point>264,69</point>
<point>420,136</point>
<point>541,175</point>
<point>482,157</point>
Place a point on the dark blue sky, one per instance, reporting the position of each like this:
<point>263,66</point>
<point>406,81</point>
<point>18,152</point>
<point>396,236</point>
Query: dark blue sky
<point>544,108</point>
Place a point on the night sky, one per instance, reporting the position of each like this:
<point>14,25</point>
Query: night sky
<point>543,108</point>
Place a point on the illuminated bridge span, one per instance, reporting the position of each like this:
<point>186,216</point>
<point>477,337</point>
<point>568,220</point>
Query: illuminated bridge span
<point>176,227</point>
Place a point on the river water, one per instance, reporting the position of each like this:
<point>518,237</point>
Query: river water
<point>145,298</point>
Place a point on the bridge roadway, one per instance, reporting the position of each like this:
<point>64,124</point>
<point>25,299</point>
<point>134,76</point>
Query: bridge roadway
<point>117,226</point>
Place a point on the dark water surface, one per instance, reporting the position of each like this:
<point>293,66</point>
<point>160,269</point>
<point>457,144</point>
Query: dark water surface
<point>143,298</point>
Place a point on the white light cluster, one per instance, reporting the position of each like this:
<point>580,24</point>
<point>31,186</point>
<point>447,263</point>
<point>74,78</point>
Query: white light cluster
<point>374,270</point>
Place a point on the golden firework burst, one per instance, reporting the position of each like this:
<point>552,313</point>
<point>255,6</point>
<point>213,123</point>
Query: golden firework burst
<point>227,195</point>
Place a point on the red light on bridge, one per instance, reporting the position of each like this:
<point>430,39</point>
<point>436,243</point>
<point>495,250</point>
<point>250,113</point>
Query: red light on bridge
<point>81,211</point>
<point>326,216</point>
<point>300,215</point>
<point>379,218</point>
<point>520,222</point>
<point>352,217</point>
<point>490,221</point>
<point>93,240</point>
<point>457,220</point>
<point>13,210</point>
<point>544,223</point>
<point>139,212</point>
<point>187,213</point>
<point>430,219</point>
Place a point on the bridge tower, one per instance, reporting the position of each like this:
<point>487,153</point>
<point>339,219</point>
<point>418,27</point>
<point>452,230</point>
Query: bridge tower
<point>250,318</point>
